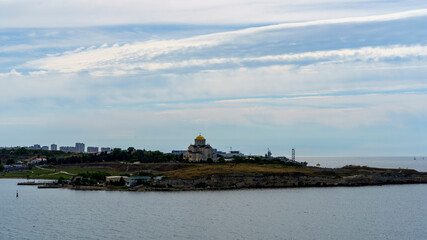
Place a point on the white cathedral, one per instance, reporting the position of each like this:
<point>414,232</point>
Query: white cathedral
<point>200,151</point>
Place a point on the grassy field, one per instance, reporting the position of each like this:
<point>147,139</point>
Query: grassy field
<point>204,170</point>
<point>188,170</point>
<point>171,170</point>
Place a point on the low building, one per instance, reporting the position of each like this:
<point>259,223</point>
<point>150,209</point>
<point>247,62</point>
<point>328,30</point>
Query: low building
<point>234,153</point>
<point>219,152</point>
<point>178,152</point>
<point>38,160</point>
<point>106,149</point>
<point>92,149</point>
<point>200,151</point>
<point>115,179</point>
<point>136,180</point>
<point>67,149</point>
<point>34,147</point>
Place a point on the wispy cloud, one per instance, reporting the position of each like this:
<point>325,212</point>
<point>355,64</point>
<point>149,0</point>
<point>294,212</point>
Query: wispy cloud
<point>155,55</point>
<point>122,60</point>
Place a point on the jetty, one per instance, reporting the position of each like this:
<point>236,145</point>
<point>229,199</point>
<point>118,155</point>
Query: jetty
<point>50,186</point>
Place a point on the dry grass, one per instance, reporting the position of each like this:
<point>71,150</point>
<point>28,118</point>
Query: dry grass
<point>204,170</point>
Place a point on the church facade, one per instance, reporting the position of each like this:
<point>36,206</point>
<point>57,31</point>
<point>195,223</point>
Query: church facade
<point>200,151</point>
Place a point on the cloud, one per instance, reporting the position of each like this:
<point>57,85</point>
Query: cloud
<point>39,13</point>
<point>124,60</point>
<point>229,85</point>
<point>37,73</point>
<point>229,49</point>
<point>12,73</point>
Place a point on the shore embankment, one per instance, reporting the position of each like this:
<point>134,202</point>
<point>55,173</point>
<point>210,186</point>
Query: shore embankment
<point>284,180</point>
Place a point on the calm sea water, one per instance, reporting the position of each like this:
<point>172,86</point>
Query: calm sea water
<point>419,164</point>
<point>375,212</point>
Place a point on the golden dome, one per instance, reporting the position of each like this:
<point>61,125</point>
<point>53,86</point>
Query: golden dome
<point>200,138</point>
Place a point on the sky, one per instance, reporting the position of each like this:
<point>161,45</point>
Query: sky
<point>327,77</point>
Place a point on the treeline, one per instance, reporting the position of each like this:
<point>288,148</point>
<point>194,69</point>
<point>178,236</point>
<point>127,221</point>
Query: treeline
<point>129,155</point>
<point>26,152</point>
<point>117,154</point>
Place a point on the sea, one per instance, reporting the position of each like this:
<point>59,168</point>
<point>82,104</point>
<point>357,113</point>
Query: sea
<point>369,212</point>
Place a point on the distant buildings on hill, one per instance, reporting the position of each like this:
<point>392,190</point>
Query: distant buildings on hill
<point>197,152</point>
<point>77,148</point>
<point>201,152</point>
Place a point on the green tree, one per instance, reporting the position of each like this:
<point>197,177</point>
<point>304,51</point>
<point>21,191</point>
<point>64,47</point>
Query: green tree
<point>61,180</point>
<point>10,161</point>
<point>21,151</point>
<point>258,160</point>
<point>1,168</point>
<point>122,181</point>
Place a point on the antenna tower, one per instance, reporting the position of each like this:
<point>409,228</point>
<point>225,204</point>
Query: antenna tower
<point>293,154</point>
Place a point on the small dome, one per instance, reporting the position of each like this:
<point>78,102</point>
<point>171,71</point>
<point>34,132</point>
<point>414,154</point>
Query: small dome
<point>200,137</point>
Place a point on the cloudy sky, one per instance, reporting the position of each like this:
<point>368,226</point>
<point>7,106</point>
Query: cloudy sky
<point>328,77</point>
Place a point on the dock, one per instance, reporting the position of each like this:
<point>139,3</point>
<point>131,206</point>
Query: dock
<point>50,186</point>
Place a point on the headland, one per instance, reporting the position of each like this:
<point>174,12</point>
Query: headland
<point>220,176</point>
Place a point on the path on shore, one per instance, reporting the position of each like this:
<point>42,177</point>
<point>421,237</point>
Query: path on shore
<point>63,172</point>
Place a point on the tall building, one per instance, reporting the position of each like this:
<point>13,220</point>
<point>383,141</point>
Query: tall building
<point>53,147</point>
<point>92,149</point>
<point>200,151</point>
<point>106,149</point>
<point>80,147</point>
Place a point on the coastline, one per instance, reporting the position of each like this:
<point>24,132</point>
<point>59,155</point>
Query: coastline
<point>94,188</point>
<point>328,178</point>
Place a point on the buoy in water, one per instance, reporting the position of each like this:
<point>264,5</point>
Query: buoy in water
<point>17,195</point>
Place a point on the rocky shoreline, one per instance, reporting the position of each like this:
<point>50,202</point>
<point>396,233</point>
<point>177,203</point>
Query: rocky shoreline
<point>226,182</point>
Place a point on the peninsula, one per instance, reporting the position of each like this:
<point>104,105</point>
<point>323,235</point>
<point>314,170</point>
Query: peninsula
<point>198,168</point>
<point>216,176</point>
